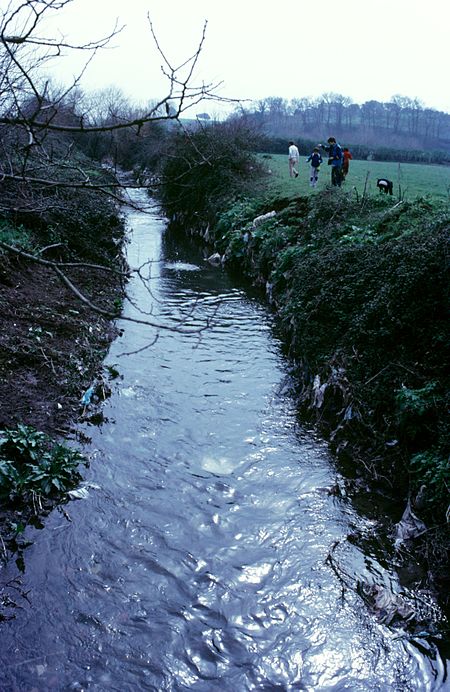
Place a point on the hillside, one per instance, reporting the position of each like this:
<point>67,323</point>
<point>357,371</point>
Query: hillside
<point>375,128</point>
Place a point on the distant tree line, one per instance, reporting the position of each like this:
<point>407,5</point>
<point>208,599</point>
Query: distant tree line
<point>372,128</point>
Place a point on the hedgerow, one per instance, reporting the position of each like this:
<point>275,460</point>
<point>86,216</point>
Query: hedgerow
<point>360,288</point>
<point>206,170</point>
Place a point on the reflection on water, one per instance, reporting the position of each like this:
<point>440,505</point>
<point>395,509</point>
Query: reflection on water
<point>182,266</point>
<point>206,552</point>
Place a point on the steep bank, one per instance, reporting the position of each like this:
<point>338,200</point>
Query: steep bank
<point>360,287</point>
<point>52,346</point>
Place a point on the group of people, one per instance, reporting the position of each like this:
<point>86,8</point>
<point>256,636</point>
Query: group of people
<point>338,159</point>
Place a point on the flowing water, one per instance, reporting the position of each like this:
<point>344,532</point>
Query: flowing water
<point>198,558</point>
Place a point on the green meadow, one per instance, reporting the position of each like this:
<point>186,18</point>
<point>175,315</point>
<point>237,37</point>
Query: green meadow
<point>410,180</point>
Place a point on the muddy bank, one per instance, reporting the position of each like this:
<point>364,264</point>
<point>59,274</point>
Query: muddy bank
<point>51,351</point>
<point>51,345</point>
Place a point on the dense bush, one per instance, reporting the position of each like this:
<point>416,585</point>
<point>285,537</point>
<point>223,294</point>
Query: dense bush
<point>87,223</point>
<point>205,170</point>
<point>361,289</point>
<point>64,213</point>
<point>127,148</point>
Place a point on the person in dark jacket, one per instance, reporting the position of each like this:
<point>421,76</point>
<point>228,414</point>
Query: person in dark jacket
<point>316,159</point>
<point>385,185</point>
<point>335,160</point>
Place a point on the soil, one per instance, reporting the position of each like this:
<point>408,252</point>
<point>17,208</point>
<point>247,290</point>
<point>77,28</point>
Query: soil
<point>52,348</point>
<point>51,344</point>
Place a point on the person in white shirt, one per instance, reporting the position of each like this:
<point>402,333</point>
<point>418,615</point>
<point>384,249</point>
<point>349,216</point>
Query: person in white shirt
<point>293,160</point>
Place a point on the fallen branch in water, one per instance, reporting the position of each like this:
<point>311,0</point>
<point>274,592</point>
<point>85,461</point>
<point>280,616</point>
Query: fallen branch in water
<point>56,267</point>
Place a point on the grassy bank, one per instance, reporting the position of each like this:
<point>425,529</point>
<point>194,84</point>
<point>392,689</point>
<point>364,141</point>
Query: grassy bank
<point>359,283</point>
<point>358,280</point>
<point>360,288</point>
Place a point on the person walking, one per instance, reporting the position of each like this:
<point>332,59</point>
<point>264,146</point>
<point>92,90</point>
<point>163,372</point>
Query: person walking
<point>293,160</point>
<point>316,159</point>
<point>335,160</point>
<point>346,157</point>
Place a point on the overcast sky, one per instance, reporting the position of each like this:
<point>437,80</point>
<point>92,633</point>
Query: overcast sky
<point>364,49</point>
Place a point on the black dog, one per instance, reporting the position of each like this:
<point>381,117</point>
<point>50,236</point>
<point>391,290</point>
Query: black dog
<point>385,185</point>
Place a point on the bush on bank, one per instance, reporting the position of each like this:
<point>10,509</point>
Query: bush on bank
<point>360,287</point>
<point>34,467</point>
<point>36,473</point>
<point>205,170</point>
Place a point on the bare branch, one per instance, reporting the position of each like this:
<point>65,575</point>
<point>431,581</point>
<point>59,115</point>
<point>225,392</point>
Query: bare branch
<point>46,163</point>
<point>56,267</point>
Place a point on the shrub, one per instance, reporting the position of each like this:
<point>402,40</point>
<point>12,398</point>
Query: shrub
<point>16,236</point>
<point>31,463</point>
<point>205,170</point>
<point>432,470</point>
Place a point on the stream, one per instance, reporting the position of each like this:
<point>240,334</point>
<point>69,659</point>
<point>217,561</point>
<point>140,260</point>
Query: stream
<point>200,554</point>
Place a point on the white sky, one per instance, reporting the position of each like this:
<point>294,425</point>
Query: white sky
<point>364,49</point>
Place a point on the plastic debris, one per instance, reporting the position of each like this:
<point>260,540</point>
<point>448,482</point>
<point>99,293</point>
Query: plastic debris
<point>87,396</point>
<point>409,526</point>
<point>387,605</point>
<point>215,259</point>
<point>264,217</point>
<point>318,392</point>
<point>78,494</point>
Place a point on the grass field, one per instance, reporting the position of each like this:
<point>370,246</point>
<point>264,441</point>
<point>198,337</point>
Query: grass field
<point>410,180</point>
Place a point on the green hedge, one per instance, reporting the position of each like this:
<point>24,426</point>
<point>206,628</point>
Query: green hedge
<point>361,289</point>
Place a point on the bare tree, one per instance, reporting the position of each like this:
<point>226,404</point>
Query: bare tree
<point>33,111</point>
<point>42,171</point>
<point>300,108</point>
